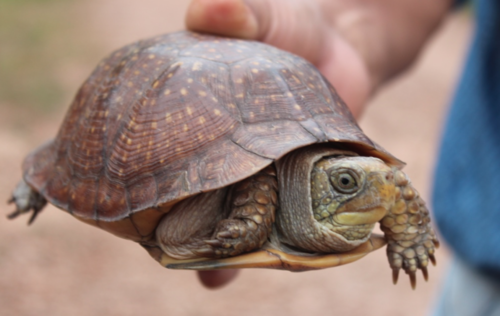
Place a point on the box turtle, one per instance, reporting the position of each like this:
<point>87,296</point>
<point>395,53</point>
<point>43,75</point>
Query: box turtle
<point>222,153</point>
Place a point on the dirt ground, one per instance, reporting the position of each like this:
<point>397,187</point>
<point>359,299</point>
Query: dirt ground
<point>59,266</point>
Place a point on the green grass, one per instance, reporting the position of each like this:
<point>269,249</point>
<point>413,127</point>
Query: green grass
<point>35,35</point>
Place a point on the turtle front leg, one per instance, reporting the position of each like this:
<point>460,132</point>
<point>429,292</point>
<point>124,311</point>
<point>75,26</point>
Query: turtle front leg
<point>253,205</point>
<point>26,200</point>
<point>411,239</point>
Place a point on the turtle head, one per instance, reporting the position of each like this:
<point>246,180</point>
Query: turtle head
<point>350,194</point>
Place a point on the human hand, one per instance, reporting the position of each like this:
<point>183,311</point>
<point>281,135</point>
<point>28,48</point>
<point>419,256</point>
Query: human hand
<point>356,45</point>
<point>296,26</point>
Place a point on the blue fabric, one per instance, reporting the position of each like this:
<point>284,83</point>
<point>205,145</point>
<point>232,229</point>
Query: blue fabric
<point>466,292</point>
<point>467,182</point>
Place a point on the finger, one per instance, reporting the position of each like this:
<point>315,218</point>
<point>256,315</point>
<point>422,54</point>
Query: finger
<point>224,17</point>
<point>217,278</point>
<point>277,22</point>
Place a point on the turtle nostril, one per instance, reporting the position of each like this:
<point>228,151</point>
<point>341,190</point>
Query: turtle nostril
<point>389,176</point>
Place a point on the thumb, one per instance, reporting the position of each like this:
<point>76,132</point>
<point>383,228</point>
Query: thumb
<point>298,26</point>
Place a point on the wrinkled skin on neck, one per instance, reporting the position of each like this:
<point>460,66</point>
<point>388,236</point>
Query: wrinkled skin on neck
<point>346,194</point>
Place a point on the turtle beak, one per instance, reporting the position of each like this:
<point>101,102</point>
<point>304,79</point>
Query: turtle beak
<point>373,203</point>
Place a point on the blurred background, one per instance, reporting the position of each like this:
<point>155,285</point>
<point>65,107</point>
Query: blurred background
<point>59,266</point>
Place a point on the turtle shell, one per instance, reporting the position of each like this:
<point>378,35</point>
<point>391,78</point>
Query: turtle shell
<point>166,118</point>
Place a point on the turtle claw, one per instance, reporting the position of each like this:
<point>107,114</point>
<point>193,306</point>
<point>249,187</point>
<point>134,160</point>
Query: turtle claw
<point>395,276</point>
<point>26,200</point>
<point>204,252</point>
<point>413,279</point>
<point>214,243</point>
<point>235,233</point>
<point>433,259</point>
<point>425,273</point>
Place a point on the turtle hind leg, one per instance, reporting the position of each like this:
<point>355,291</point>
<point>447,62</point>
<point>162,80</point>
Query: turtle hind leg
<point>252,206</point>
<point>26,200</point>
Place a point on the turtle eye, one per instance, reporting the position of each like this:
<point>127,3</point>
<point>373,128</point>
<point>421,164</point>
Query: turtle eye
<point>345,181</point>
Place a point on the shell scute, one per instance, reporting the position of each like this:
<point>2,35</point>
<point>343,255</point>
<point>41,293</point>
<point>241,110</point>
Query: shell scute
<point>169,117</point>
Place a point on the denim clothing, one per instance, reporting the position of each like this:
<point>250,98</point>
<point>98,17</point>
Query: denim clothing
<point>467,292</point>
<point>466,197</point>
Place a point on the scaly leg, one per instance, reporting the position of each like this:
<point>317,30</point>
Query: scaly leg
<point>411,239</point>
<point>253,206</point>
<point>26,199</point>
<point>221,223</point>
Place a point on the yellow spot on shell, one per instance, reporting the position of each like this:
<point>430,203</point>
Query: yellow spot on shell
<point>184,91</point>
<point>130,84</point>
<point>297,107</point>
<point>155,84</point>
<point>137,72</point>
<point>255,70</point>
<point>152,56</point>
<point>154,125</point>
<point>190,80</point>
<point>129,141</point>
<point>189,111</point>
<point>202,120</point>
<point>197,66</point>
<point>239,80</point>
<point>255,63</point>
<point>239,95</point>
<point>168,118</point>
<point>185,128</point>
<point>167,92</point>
<point>217,112</point>
<point>202,93</point>
<point>170,75</point>
<point>119,117</point>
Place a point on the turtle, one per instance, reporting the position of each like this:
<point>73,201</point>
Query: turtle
<point>214,153</point>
